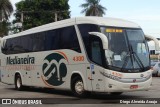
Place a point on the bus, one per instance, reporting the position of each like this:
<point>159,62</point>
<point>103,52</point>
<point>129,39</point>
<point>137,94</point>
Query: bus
<point>85,54</point>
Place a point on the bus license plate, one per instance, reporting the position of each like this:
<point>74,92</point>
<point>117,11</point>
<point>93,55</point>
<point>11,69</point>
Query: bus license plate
<point>133,86</point>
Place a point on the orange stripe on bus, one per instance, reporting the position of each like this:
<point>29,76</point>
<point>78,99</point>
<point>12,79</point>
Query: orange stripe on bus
<point>50,86</point>
<point>63,55</point>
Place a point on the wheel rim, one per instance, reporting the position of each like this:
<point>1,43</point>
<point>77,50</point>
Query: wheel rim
<point>18,83</point>
<point>79,87</point>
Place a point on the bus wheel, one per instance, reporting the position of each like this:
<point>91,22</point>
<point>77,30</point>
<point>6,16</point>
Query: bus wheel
<point>78,87</point>
<point>18,83</point>
<point>116,93</point>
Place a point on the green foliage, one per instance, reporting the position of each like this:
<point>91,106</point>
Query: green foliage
<point>93,8</point>
<point>4,28</point>
<point>6,9</point>
<point>39,12</point>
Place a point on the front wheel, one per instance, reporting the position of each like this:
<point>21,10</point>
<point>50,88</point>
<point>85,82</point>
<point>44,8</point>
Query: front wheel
<point>78,87</point>
<point>18,83</point>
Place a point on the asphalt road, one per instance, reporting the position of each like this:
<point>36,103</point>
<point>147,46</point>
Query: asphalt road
<point>66,98</point>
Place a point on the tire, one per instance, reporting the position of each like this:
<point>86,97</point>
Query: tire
<point>116,93</point>
<point>77,87</point>
<point>18,83</point>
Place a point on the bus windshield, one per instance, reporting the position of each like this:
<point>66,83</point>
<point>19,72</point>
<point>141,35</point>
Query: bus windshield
<point>128,51</point>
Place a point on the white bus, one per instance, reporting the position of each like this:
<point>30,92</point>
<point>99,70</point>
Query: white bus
<point>89,54</point>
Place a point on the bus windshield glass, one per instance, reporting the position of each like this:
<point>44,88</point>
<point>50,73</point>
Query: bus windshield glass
<point>128,51</point>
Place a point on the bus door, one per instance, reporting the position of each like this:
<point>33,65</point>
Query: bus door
<point>96,56</point>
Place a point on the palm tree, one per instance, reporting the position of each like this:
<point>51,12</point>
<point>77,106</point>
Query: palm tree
<point>93,8</point>
<point>6,9</point>
<point>4,28</point>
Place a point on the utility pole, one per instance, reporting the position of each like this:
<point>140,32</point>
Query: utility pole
<point>22,16</point>
<point>56,16</point>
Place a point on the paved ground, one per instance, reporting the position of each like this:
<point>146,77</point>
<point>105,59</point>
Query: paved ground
<point>8,91</point>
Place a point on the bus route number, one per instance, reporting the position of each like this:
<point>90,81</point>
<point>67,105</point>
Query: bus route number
<point>78,58</point>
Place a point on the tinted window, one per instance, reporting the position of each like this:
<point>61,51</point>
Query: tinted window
<point>96,55</point>
<point>52,40</point>
<point>38,41</point>
<point>64,38</point>
<point>13,46</point>
<point>152,52</point>
<point>69,39</point>
<point>18,45</point>
<point>27,43</point>
<point>84,29</point>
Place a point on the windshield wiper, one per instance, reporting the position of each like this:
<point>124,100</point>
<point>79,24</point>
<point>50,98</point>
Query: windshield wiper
<point>137,59</point>
<point>132,54</point>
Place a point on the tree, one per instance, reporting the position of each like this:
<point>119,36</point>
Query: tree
<point>39,12</point>
<point>93,8</point>
<point>4,28</point>
<point>6,10</point>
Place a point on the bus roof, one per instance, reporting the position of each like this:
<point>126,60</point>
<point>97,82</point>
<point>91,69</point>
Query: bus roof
<point>107,21</point>
<point>102,21</point>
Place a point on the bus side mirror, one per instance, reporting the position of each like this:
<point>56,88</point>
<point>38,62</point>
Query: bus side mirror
<point>102,37</point>
<point>157,48</point>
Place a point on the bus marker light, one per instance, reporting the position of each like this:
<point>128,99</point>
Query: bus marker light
<point>114,30</point>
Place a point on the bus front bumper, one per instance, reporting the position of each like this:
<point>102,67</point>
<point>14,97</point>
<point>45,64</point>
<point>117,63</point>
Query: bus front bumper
<point>123,82</point>
<point>116,86</point>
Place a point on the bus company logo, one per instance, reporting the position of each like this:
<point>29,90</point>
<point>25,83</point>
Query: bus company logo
<point>54,68</point>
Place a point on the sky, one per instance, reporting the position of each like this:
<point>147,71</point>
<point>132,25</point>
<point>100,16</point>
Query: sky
<point>145,13</point>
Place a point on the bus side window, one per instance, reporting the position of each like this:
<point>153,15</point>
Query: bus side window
<point>69,39</point>
<point>52,40</point>
<point>5,47</point>
<point>84,29</point>
<point>38,41</point>
<point>27,43</point>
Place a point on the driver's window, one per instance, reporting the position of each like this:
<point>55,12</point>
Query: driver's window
<point>96,53</point>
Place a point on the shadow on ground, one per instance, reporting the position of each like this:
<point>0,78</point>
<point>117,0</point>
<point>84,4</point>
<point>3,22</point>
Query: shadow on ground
<point>97,96</point>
